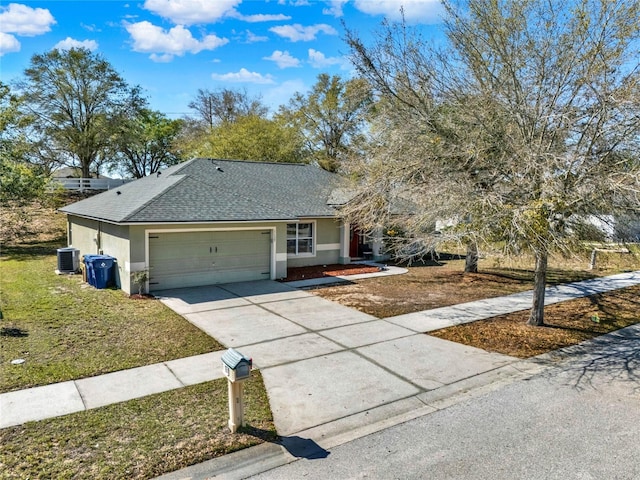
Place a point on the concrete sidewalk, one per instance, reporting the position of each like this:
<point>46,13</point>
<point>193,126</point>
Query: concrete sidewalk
<point>395,368</point>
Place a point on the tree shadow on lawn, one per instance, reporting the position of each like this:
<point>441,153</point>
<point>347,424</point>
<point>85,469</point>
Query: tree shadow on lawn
<point>28,250</point>
<point>13,332</point>
<point>522,275</point>
<point>432,259</point>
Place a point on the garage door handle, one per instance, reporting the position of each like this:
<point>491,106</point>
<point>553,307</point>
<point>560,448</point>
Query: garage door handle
<point>211,249</point>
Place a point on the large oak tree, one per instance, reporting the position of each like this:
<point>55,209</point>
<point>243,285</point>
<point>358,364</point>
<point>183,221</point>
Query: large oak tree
<point>78,100</point>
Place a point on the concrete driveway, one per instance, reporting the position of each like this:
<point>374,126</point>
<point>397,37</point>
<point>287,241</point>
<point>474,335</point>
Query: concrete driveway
<point>323,362</point>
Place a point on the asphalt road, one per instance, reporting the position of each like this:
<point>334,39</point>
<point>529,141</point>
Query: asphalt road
<point>579,419</point>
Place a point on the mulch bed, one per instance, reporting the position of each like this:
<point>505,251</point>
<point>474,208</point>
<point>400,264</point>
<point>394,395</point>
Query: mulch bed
<point>333,270</point>
<point>143,296</point>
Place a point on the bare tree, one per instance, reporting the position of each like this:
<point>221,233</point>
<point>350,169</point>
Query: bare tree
<point>523,125</point>
<point>225,105</point>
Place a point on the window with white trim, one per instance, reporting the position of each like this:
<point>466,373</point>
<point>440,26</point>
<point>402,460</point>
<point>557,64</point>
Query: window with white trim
<point>300,239</point>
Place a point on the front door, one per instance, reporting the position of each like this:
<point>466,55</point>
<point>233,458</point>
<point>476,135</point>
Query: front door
<point>354,243</point>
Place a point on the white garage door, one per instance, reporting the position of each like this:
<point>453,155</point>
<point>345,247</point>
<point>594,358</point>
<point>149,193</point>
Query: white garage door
<point>189,259</point>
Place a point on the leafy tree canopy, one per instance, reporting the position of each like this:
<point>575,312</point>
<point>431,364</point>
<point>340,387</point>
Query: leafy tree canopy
<point>330,117</point>
<point>253,138</point>
<point>78,100</point>
<point>145,144</point>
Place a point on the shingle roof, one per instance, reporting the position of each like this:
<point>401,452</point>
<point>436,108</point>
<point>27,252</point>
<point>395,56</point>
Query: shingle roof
<point>203,190</point>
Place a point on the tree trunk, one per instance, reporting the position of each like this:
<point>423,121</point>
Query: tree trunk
<point>471,261</point>
<point>536,317</point>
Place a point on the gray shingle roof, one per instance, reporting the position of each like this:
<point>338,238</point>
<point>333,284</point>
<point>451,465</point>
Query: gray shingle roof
<point>203,190</point>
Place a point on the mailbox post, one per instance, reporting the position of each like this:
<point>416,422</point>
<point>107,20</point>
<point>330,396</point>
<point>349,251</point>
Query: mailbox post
<point>237,368</point>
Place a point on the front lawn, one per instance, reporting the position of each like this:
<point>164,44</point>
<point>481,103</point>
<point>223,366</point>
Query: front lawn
<point>65,329</point>
<point>138,439</point>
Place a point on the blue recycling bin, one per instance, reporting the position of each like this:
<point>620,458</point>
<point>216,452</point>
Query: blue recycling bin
<point>88,265</point>
<point>100,271</point>
<point>103,271</point>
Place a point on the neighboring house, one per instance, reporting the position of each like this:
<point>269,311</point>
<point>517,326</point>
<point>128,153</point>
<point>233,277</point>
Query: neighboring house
<point>214,221</point>
<point>70,178</point>
<point>71,172</point>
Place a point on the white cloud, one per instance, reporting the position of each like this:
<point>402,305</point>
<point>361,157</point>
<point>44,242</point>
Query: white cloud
<point>283,59</point>
<point>415,11</point>
<point>69,43</point>
<point>191,12</point>
<point>318,60</point>
<point>243,76</point>
<point>297,32</point>
<point>25,21</point>
<point>334,8</point>
<point>253,38</point>
<point>149,38</point>
<point>294,3</point>
<point>89,28</point>
<point>260,17</point>
<point>8,44</point>
<point>164,58</point>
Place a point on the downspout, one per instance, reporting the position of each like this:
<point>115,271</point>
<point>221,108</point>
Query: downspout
<point>99,239</point>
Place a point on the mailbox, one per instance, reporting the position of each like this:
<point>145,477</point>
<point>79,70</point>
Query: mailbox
<point>236,366</point>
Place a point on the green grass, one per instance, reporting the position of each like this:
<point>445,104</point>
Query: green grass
<point>137,439</point>
<point>65,329</point>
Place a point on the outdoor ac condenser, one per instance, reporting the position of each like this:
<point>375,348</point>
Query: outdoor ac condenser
<point>68,260</point>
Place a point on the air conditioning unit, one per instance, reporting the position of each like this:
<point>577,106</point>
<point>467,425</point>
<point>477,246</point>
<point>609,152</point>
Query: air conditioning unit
<point>68,260</point>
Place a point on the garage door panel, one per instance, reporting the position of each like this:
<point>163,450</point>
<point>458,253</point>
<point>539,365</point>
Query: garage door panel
<point>185,259</point>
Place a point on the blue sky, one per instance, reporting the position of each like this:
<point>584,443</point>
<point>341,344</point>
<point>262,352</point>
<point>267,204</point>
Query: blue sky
<point>172,48</point>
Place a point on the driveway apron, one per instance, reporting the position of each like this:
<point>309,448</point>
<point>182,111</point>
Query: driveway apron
<point>322,361</point>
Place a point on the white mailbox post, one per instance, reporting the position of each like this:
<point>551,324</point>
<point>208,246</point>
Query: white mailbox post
<point>237,368</point>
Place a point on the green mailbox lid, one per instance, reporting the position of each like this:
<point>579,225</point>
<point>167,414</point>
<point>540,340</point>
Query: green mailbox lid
<point>233,358</point>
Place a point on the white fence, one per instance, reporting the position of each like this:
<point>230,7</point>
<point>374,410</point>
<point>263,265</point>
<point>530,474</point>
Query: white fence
<point>83,184</point>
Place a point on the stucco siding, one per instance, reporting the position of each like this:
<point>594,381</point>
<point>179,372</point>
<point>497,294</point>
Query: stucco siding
<point>114,241</point>
<point>328,231</point>
<point>327,245</point>
<point>321,258</point>
<point>130,243</point>
<point>83,234</point>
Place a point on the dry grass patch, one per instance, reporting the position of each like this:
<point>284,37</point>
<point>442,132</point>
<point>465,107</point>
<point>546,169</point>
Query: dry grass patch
<point>567,323</point>
<point>440,284</point>
<point>422,288</point>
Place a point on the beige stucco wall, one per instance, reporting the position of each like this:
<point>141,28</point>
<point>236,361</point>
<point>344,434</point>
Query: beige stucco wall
<point>94,237</point>
<point>82,234</point>
<point>128,243</point>
<point>327,248</point>
<point>114,241</point>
